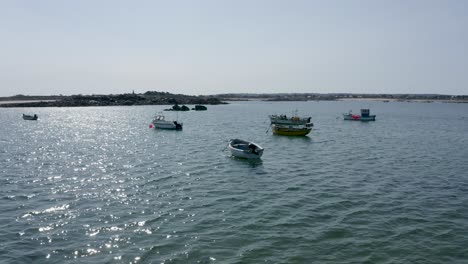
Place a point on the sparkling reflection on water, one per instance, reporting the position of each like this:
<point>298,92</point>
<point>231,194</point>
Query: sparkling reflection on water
<point>95,185</point>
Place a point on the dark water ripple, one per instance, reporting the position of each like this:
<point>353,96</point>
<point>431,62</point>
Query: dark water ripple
<point>95,185</point>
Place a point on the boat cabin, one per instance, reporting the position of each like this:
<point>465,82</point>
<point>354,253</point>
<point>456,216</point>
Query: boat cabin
<point>365,112</point>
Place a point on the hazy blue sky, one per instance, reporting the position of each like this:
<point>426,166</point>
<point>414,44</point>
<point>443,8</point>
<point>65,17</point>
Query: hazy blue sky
<point>209,47</point>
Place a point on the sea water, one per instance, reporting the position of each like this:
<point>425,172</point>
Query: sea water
<point>97,185</point>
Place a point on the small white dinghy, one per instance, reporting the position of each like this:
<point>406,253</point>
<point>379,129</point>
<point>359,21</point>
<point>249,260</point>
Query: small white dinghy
<point>245,149</point>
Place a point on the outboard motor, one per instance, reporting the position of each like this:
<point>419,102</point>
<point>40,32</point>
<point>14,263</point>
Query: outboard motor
<point>252,148</point>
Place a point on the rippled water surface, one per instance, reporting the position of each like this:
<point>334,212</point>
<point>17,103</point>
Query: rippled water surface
<point>96,185</point>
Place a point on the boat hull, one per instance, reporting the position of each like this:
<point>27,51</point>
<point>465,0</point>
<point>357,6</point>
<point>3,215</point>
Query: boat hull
<point>358,118</point>
<point>167,125</point>
<point>290,131</point>
<point>28,117</point>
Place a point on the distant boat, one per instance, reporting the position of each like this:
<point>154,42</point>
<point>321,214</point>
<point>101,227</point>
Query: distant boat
<point>364,116</point>
<point>292,130</point>
<point>30,117</point>
<point>160,122</point>
<point>245,149</point>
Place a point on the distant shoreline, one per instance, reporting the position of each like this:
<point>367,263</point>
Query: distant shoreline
<point>282,97</point>
<point>408,100</point>
<point>165,98</point>
<point>355,99</point>
<point>24,101</point>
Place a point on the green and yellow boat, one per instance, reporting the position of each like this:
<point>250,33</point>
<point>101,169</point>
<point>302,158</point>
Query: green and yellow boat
<point>291,130</point>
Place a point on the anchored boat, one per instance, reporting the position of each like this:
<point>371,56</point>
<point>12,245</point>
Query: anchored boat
<point>285,120</point>
<point>160,122</point>
<point>290,126</point>
<point>30,117</point>
<point>245,149</point>
<point>364,116</point>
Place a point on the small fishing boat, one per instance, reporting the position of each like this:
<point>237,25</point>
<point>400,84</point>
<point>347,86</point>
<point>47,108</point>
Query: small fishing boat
<point>285,120</point>
<point>160,122</point>
<point>292,130</point>
<point>364,116</point>
<point>245,149</point>
<point>30,117</point>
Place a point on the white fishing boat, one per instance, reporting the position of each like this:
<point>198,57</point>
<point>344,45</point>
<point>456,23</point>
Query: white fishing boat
<point>160,122</point>
<point>30,117</point>
<point>245,149</point>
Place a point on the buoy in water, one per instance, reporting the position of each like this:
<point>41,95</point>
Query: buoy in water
<point>151,126</point>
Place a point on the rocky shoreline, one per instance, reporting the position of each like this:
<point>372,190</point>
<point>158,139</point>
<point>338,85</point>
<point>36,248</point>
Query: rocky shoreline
<point>148,98</point>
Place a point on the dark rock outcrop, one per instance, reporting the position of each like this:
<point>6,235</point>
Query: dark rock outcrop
<point>176,107</point>
<point>199,108</point>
